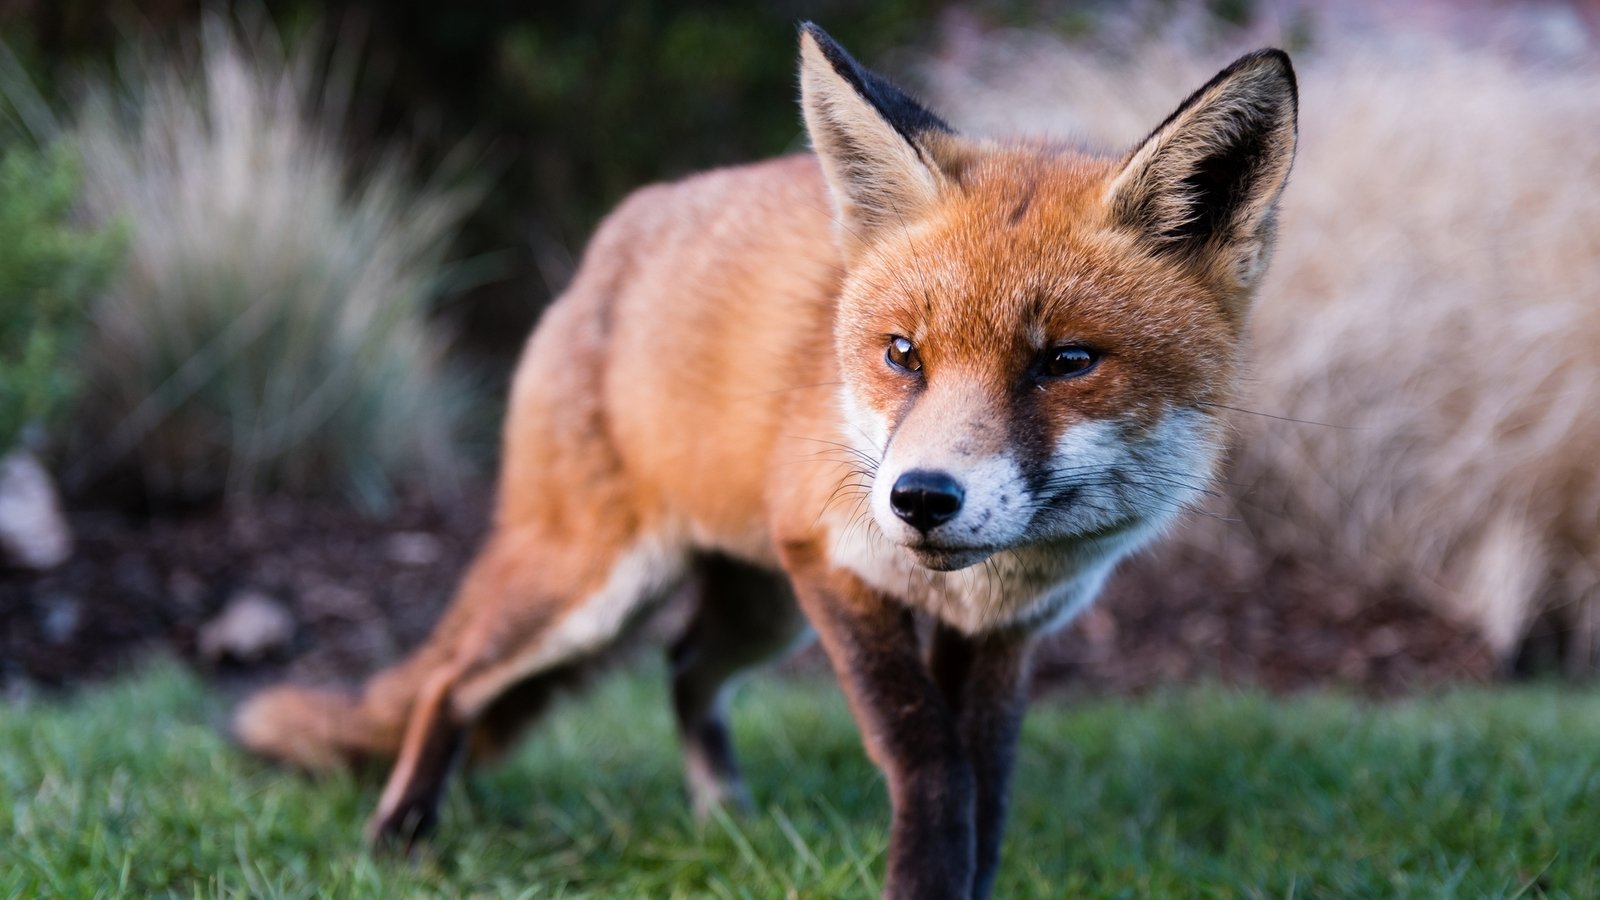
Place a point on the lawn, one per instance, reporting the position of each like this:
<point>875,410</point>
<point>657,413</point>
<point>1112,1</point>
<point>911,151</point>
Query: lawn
<point>130,789</point>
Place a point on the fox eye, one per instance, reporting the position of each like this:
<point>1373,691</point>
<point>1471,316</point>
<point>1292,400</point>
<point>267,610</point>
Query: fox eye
<point>902,354</point>
<point>1068,361</point>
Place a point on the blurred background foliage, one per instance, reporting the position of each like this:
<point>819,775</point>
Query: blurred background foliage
<point>50,268</point>
<point>270,331</point>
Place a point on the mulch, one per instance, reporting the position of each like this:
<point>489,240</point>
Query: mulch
<point>362,590</point>
<point>1169,619</point>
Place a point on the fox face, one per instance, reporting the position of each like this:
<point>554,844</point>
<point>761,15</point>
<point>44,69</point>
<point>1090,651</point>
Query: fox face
<point>1010,402</point>
<point>1034,343</point>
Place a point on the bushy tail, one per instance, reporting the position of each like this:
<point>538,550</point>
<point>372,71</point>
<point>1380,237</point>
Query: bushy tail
<point>319,730</point>
<point>311,729</point>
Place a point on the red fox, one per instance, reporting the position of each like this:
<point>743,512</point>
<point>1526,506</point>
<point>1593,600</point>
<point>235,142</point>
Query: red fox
<point>940,384</point>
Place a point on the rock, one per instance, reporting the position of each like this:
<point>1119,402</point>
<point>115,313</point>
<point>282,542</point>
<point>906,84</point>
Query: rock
<point>250,628</point>
<point>414,548</point>
<point>60,618</point>
<point>33,531</point>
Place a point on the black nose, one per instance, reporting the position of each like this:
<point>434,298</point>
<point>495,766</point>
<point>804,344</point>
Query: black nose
<point>926,500</point>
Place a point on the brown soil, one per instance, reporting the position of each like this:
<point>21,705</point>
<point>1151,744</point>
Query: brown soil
<point>1165,619</point>
<point>361,591</point>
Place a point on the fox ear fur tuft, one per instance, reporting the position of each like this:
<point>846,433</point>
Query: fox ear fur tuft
<point>1205,184</point>
<point>877,145</point>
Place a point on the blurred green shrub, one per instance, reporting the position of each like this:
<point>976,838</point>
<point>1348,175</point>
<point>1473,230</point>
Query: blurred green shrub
<point>270,332</point>
<point>49,270</point>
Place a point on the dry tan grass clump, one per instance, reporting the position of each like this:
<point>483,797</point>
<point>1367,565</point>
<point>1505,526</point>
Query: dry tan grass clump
<point>1434,302</point>
<point>270,332</point>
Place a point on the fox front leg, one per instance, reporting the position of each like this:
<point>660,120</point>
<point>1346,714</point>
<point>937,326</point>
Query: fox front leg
<point>984,679</point>
<point>909,732</point>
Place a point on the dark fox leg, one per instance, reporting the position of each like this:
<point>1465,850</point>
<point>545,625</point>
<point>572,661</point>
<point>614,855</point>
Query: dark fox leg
<point>503,722</point>
<point>478,631</point>
<point>409,808</point>
<point>743,617</point>
<point>907,727</point>
<point>984,680</point>
<point>492,735</point>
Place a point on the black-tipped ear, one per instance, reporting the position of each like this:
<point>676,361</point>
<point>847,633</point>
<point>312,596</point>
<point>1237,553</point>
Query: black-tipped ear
<point>895,106</point>
<point>1205,183</point>
<point>876,144</point>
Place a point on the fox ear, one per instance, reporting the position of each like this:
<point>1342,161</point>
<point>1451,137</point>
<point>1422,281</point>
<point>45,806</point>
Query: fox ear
<point>1205,184</point>
<point>876,144</point>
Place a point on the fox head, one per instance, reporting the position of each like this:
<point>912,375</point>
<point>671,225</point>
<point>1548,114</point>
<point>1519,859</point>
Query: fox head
<point>1034,342</point>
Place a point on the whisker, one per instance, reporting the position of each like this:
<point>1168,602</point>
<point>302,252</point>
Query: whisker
<point>1263,415</point>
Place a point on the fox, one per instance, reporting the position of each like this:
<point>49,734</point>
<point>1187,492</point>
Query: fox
<point>912,394</point>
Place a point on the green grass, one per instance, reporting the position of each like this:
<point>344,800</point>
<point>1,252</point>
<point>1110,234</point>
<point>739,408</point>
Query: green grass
<point>1198,792</point>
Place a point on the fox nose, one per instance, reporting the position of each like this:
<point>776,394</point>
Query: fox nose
<point>926,500</point>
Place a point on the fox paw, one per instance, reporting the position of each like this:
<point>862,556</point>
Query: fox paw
<point>402,828</point>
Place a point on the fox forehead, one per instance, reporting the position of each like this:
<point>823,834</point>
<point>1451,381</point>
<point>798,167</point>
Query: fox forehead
<point>1022,256</point>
